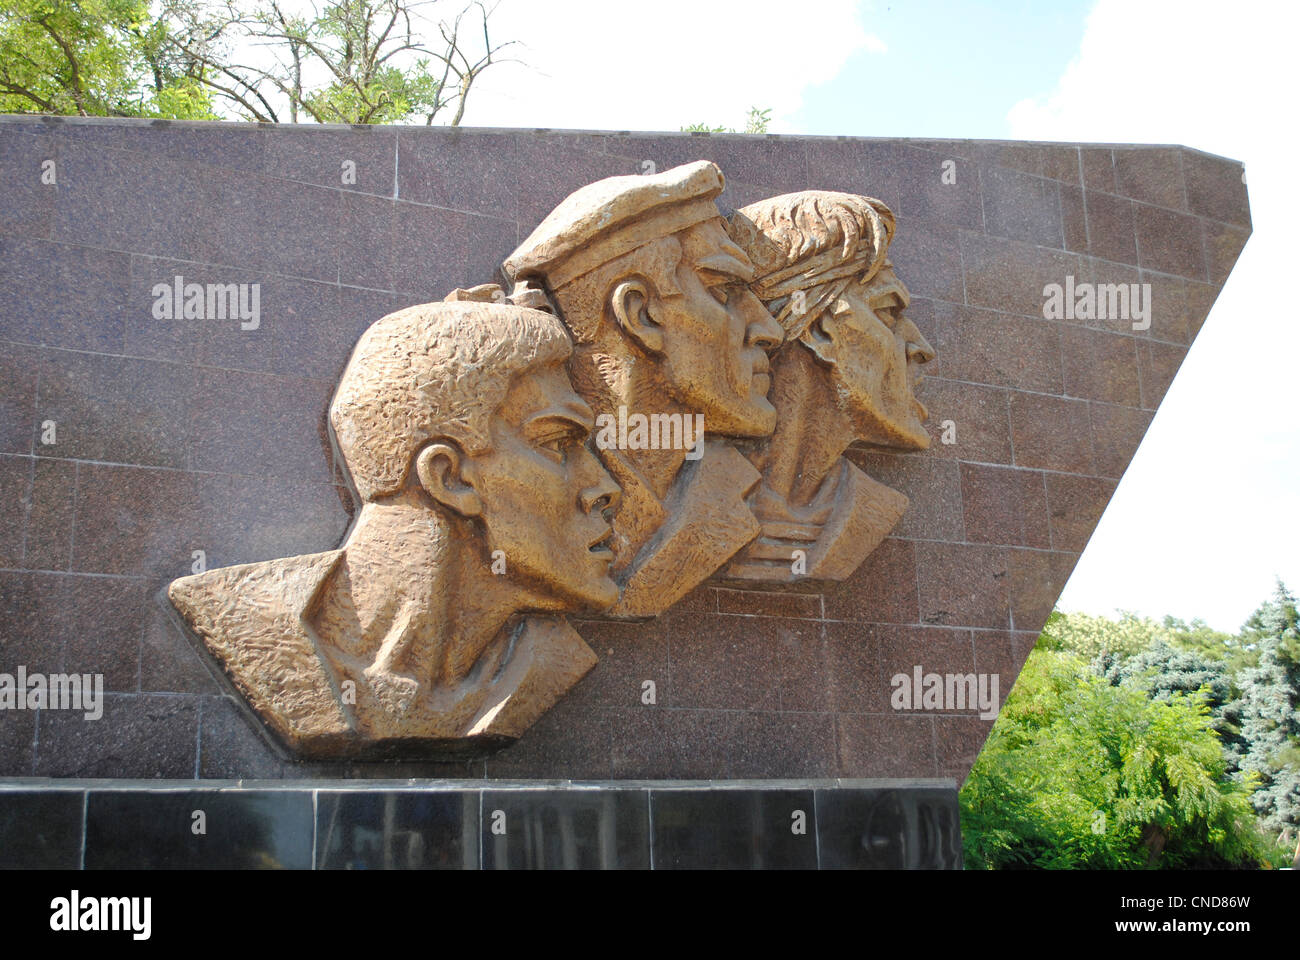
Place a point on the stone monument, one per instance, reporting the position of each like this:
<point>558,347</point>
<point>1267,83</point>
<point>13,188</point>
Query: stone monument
<point>423,465</point>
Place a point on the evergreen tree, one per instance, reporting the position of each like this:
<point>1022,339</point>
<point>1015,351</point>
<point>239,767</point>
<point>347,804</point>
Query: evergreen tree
<point>1270,718</point>
<point>1163,670</point>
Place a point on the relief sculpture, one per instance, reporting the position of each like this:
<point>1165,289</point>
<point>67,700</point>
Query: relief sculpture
<point>666,396</point>
<point>847,373</point>
<point>435,626</point>
<point>655,293</point>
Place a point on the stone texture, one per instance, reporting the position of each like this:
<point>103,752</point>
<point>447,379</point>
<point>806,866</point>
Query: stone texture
<point>1008,275</point>
<point>1151,175</point>
<point>1004,505</point>
<point>1035,579</point>
<point>140,737</point>
<point>1098,166</point>
<point>885,745</point>
<point>963,585</point>
<point>981,430</point>
<point>29,203</point>
<point>116,409</point>
<point>925,195</point>
<point>997,349</point>
<point>882,590</point>
<point>1169,242</point>
<point>1074,506</point>
<point>18,367</point>
<point>1021,207</point>
<point>176,436</point>
<point>1051,433</point>
<point>1116,433</point>
<point>1110,224</point>
<point>931,258</point>
<point>1216,188</point>
<point>15,489</point>
<point>58,295</point>
<point>1098,365</point>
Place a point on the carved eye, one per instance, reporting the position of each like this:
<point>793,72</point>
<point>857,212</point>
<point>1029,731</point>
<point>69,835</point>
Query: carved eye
<point>556,447</point>
<point>889,313</point>
<point>721,293</point>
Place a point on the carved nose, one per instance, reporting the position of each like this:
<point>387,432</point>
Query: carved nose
<point>763,330</point>
<point>918,348</point>
<point>603,495</point>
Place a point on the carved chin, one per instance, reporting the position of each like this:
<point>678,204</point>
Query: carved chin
<point>918,438</point>
<point>905,432</point>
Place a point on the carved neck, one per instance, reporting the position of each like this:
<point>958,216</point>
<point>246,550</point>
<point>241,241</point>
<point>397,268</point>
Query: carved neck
<point>413,596</point>
<point>811,430</point>
<point>617,377</point>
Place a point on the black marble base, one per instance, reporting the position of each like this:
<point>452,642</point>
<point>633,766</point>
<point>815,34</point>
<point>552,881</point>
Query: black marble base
<point>470,825</point>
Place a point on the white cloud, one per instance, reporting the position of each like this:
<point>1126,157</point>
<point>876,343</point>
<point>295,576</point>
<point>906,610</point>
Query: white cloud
<point>593,64</point>
<point>1209,511</point>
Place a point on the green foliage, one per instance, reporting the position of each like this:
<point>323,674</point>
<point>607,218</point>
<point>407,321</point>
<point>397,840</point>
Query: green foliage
<point>344,61</point>
<point>1163,670</point>
<point>1079,772</point>
<point>1270,714</point>
<point>1089,636</point>
<point>389,95</point>
<point>1197,637</point>
<point>757,122</point>
<point>351,43</point>
<point>101,58</point>
<point>352,61</point>
<point>1274,617</point>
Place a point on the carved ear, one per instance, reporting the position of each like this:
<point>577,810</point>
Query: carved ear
<point>821,337</point>
<point>446,474</point>
<point>631,303</point>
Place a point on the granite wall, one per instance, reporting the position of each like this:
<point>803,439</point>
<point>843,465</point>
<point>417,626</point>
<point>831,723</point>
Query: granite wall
<point>128,443</point>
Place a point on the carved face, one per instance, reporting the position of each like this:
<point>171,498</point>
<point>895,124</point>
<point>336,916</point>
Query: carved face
<point>543,495</point>
<point>717,336</point>
<point>877,355</point>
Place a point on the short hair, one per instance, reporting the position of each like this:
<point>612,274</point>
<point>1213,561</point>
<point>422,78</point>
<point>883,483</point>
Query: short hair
<point>436,370</point>
<point>817,241</point>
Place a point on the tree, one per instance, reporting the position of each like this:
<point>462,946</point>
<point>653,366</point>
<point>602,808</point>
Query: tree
<point>1198,637</point>
<point>348,61</point>
<point>1091,636</point>
<point>1273,617</point>
<point>1162,671</point>
<point>1270,715</point>
<point>105,58</point>
<point>1082,773</point>
<point>342,61</point>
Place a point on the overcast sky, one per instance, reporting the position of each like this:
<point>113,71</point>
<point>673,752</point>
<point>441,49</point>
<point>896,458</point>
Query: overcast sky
<point>1206,515</point>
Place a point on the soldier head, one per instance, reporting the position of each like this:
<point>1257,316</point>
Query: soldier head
<point>466,409</point>
<point>656,296</point>
<point>821,267</point>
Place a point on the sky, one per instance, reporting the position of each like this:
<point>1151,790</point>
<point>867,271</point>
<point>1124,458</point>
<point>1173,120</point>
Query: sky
<point>1206,516</point>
